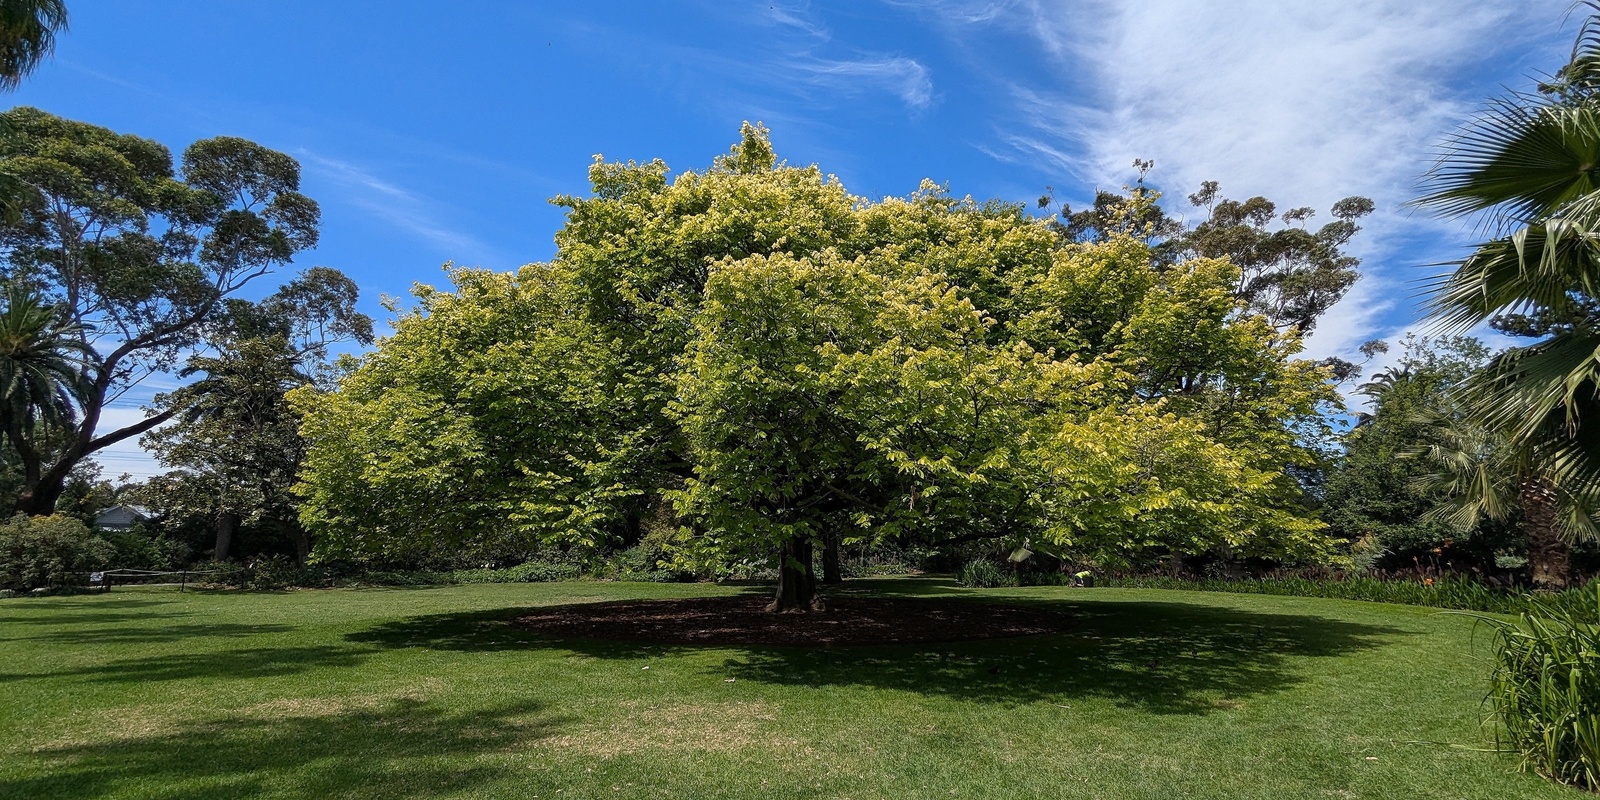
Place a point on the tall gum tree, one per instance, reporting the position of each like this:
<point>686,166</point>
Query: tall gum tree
<point>140,255</point>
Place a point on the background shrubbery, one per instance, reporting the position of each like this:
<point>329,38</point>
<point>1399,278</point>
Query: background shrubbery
<point>49,552</point>
<point>1439,590</point>
<point>277,572</point>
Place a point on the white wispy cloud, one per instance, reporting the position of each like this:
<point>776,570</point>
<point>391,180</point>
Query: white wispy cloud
<point>967,12</point>
<point>800,17</point>
<point>903,77</point>
<point>405,210</point>
<point>1304,103</point>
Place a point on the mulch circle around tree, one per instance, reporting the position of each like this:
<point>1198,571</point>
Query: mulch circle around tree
<point>741,620</point>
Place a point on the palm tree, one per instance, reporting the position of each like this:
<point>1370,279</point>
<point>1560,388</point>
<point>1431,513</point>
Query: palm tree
<point>1381,384</point>
<point>28,31</point>
<point>40,374</point>
<point>1486,475</point>
<point>1529,170</point>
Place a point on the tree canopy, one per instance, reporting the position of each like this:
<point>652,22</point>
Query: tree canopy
<point>139,255</point>
<point>771,361</point>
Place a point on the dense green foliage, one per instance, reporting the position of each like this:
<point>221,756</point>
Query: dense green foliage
<point>639,563</point>
<point>1445,591</point>
<point>235,444</point>
<point>49,552</point>
<point>429,693</point>
<point>1546,688</point>
<point>1380,496</point>
<point>749,357</point>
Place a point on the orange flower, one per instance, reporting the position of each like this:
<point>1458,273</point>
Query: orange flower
<point>1427,581</point>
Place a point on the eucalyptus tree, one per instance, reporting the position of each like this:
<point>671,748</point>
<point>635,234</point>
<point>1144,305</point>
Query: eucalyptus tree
<point>1290,272</point>
<point>141,255</point>
<point>28,31</point>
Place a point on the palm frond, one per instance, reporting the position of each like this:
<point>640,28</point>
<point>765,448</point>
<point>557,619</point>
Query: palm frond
<point>28,31</point>
<point>41,351</point>
<point>1519,158</point>
<point>1538,267</point>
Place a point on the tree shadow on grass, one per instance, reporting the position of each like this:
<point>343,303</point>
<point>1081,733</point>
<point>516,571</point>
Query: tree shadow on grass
<point>83,612</point>
<point>95,600</point>
<point>925,586</point>
<point>153,635</point>
<point>403,749</point>
<point>1161,657</point>
<point>1168,658</point>
<point>258,662</point>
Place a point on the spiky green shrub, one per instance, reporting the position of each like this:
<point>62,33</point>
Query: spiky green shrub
<point>1545,689</point>
<point>984,574</point>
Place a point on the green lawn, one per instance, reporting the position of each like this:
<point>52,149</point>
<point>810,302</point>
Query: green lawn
<point>425,692</point>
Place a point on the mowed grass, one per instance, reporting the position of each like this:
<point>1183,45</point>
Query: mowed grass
<point>428,693</point>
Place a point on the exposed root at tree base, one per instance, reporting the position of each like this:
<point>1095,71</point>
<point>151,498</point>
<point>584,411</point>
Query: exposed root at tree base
<point>817,605</point>
<point>743,620</point>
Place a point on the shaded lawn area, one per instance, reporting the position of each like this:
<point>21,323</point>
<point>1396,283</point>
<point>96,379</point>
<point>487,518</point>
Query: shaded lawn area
<point>431,692</point>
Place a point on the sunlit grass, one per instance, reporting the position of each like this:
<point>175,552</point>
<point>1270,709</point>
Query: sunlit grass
<point>428,692</point>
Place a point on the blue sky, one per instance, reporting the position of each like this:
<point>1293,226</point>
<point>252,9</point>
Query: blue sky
<point>435,132</point>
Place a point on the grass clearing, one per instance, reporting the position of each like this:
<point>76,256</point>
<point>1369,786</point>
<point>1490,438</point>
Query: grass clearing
<point>429,692</point>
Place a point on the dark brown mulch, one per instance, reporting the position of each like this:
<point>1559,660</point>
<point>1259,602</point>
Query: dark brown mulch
<point>740,620</point>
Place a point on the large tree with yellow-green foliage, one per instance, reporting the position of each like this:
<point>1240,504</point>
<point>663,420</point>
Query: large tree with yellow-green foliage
<point>774,364</point>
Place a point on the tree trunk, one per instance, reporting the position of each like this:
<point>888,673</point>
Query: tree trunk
<point>797,579</point>
<point>34,500</point>
<point>635,528</point>
<point>1549,556</point>
<point>830,560</point>
<point>302,543</point>
<point>227,524</point>
<point>42,486</point>
<point>39,500</point>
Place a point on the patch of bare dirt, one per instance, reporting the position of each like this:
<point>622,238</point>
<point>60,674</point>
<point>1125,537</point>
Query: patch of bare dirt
<point>741,620</point>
